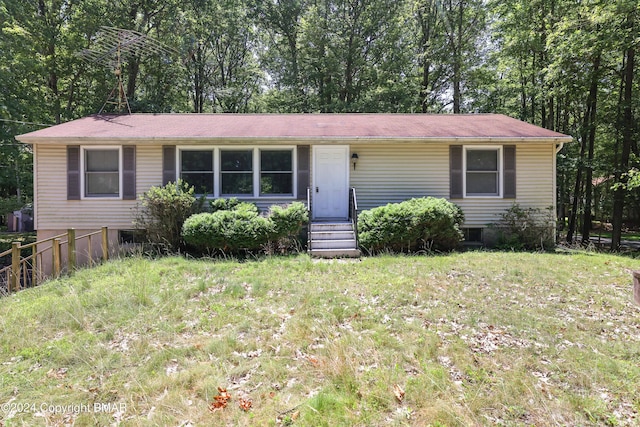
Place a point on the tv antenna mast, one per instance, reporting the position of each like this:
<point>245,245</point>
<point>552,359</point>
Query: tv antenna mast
<point>112,44</point>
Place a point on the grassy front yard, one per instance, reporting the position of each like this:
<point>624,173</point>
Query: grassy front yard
<point>464,339</point>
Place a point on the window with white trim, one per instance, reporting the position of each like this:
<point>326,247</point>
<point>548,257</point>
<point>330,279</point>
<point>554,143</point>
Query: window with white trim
<point>276,172</point>
<point>239,171</point>
<point>482,171</point>
<point>236,172</point>
<point>101,172</point>
<point>196,168</point>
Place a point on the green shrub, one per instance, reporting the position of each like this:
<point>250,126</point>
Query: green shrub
<point>288,221</point>
<point>161,211</point>
<point>242,228</point>
<point>525,229</point>
<point>416,224</point>
<point>227,230</point>
<point>223,204</point>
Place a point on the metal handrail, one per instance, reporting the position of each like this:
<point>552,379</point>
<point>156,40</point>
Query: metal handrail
<point>309,217</point>
<point>353,212</point>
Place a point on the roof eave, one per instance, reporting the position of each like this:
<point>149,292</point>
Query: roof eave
<point>271,139</point>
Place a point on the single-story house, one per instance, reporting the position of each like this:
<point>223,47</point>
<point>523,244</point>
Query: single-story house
<point>89,172</point>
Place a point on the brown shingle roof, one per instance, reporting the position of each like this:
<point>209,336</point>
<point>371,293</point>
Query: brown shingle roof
<point>293,126</point>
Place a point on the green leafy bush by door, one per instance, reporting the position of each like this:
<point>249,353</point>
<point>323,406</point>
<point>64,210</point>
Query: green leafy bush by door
<point>426,223</point>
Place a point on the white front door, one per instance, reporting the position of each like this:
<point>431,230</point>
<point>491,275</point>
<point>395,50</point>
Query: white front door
<point>330,198</point>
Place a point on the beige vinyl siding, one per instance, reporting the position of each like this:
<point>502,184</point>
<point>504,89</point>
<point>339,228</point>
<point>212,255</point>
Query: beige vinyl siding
<point>395,172</point>
<point>392,173</point>
<point>148,167</point>
<point>54,211</point>
<point>534,187</point>
<point>385,172</point>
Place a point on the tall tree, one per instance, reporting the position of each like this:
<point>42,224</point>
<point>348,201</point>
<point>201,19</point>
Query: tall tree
<point>431,48</point>
<point>631,42</point>
<point>221,60</point>
<point>464,27</point>
<point>280,51</point>
<point>576,45</point>
<point>522,28</point>
<point>348,46</point>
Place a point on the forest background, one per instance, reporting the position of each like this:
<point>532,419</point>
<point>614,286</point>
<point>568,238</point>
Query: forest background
<point>566,65</point>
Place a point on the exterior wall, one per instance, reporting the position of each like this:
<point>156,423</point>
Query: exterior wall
<point>535,179</point>
<point>385,173</point>
<point>392,173</point>
<point>53,212</point>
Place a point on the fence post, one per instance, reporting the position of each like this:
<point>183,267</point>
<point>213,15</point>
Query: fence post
<point>56,257</point>
<point>105,243</point>
<point>34,265</point>
<point>71,241</point>
<point>90,250</point>
<point>15,266</point>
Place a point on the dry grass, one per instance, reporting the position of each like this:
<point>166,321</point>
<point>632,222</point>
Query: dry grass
<point>469,339</point>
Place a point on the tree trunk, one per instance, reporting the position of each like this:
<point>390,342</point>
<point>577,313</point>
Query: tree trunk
<point>589,132</point>
<point>577,193</point>
<point>133,67</point>
<point>425,40</point>
<point>457,61</point>
<point>627,137</point>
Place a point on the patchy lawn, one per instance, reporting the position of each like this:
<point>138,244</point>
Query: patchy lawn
<point>477,338</point>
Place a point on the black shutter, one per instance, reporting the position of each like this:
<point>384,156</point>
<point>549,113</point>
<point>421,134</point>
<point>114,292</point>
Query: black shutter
<point>129,173</point>
<point>455,172</point>
<point>304,161</point>
<point>509,179</point>
<point>73,172</point>
<point>168,164</point>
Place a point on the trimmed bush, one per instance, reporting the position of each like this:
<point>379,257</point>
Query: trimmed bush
<point>426,223</point>
<point>227,230</point>
<point>288,221</point>
<point>242,228</point>
<point>224,204</point>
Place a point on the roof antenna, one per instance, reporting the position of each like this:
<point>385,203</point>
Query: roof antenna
<point>110,47</point>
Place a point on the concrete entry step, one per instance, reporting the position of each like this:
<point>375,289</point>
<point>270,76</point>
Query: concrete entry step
<point>333,240</point>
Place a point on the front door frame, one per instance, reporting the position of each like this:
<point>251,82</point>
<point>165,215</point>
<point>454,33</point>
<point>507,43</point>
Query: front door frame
<point>344,207</point>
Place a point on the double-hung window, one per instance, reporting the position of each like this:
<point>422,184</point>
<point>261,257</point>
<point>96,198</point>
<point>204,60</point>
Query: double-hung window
<point>236,172</point>
<point>233,171</point>
<point>276,172</point>
<point>196,168</point>
<point>482,172</point>
<point>101,172</point>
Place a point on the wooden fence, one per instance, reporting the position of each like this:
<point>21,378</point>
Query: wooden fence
<point>27,271</point>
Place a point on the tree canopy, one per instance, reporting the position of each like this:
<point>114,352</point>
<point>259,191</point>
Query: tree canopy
<point>564,65</point>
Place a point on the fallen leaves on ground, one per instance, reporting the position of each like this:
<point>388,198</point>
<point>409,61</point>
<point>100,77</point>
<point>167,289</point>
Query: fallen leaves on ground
<point>220,401</point>
<point>398,392</point>
<point>57,373</point>
<point>245,403</point>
